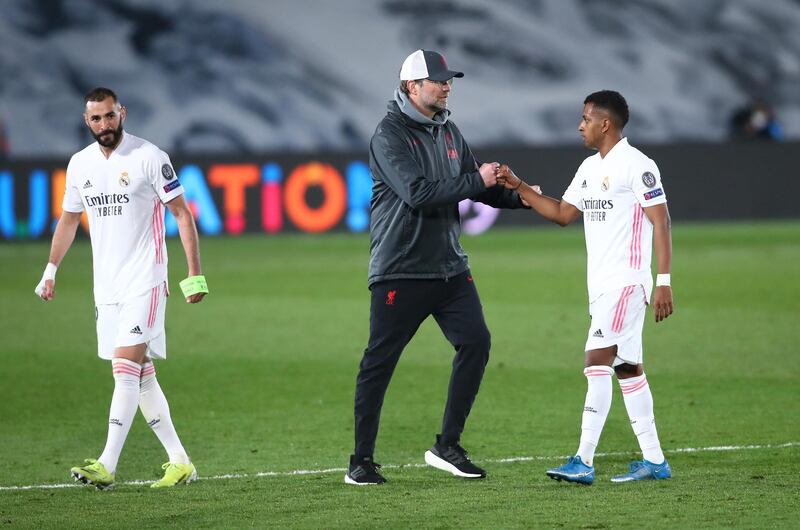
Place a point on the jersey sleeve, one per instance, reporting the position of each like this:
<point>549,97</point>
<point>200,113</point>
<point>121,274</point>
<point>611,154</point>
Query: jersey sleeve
<point>72,198</point>
<point>574,192</point>
<point>162,176</point>
<point>646,184</point>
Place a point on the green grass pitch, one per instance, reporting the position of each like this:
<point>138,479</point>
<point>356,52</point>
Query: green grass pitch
<point>260,379</point>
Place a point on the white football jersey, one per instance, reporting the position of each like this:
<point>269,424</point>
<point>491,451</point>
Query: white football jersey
<point>612,192</point>
<point>124,198</point>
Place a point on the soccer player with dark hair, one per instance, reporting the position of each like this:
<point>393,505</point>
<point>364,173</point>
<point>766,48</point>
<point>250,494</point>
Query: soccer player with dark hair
<point>124,183</point>
<point>619,192</point>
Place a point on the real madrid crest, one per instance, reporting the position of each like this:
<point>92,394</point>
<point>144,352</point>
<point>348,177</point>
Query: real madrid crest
<point>605,185</point>
<point>124,179</point>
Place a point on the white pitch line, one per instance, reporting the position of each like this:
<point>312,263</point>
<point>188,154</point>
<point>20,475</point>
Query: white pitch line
<point>508,460</point>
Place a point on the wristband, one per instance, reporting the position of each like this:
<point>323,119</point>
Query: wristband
<point>662,280</point>
<point>49,274</point>
<point>193,285</point>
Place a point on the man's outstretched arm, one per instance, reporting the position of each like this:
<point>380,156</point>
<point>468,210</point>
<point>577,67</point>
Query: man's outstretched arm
<point>559,212</point>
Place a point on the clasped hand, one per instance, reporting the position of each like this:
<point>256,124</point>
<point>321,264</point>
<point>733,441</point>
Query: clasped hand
<point>507,179</point>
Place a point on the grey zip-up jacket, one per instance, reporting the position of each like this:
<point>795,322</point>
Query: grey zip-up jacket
<point>421,169</point>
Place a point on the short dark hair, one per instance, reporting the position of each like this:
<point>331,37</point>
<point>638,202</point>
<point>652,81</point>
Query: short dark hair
<point>404,86</point>
<point>99,94</point>
<point>613,102</point>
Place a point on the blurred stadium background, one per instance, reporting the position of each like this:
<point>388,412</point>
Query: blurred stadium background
<point>266,109</point>
<point>246,76</point>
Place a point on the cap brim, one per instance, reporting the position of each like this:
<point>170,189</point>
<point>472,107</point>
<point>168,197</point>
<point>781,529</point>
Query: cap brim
<point>445,75</point>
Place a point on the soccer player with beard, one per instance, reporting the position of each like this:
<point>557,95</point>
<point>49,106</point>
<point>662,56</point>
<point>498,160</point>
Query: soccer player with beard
<point>619,192</point>
<point>123,183</point>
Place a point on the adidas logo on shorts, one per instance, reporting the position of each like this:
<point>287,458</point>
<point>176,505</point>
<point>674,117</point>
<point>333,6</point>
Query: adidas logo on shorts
<point>136,331</point>
<point>598,334</point>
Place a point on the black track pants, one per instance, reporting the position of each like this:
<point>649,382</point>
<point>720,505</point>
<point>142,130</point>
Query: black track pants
<point>398,307</point>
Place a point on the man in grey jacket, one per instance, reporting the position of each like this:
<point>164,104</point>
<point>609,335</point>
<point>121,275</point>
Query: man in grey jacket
<point>422,168</point>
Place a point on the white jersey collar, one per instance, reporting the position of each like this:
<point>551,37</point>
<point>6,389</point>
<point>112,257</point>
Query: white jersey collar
<point>619,148</point>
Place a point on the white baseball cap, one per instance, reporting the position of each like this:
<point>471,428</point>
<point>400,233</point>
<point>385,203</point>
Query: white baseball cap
<point>424,64</point>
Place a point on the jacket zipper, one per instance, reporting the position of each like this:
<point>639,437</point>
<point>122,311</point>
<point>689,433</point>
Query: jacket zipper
<point>436,137</point>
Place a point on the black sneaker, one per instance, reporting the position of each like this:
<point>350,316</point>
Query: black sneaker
<point>363,472</point>
<point>453,459</point>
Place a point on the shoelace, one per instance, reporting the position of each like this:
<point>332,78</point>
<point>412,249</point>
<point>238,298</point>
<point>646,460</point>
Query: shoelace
<point>635,466</point>
<point>90,463</point>
<point>167,464</point>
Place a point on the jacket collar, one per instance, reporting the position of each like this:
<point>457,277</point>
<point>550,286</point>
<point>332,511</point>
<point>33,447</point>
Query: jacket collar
<point>401,104</point>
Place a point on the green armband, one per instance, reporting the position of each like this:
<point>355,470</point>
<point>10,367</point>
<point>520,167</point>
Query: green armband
<point>193,285</point>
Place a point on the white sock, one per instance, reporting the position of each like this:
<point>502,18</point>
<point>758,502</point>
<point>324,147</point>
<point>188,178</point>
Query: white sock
<point>123,409</point>
<point>595,409</point>
<point>639,402</point>
<point>155,410</point>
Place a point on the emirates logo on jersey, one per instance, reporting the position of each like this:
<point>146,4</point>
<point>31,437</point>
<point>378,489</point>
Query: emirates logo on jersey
<point>105,199</point>
<point>124,179</point>
<point>107,204</point>
<point>605,185</point>
<point>595,209</point>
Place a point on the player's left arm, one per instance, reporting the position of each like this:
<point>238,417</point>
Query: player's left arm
<point>189,238</point>
<point>662,241</point>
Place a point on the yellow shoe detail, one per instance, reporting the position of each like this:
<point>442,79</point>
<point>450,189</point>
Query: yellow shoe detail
<point>176,474</point>
<point>93,473</point>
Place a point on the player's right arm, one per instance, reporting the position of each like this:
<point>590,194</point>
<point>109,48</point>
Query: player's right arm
<point>62,239</point>
<point>558,211</point>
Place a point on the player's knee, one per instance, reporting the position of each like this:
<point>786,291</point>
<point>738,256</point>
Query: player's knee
<point>379,359</point>
<point>482,337</point>
<point>628,370</point>
<point>479,343</point>
<point>600,357</point>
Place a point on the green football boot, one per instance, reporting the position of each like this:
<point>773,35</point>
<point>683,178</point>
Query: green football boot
<point>176,474</point>
<point>94,473</point>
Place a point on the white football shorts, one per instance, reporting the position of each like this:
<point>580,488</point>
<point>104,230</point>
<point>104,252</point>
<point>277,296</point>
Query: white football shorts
<point>139,320</point>
<point>618,319</point>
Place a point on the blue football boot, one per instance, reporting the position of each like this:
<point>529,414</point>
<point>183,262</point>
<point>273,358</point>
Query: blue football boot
<point>645,470</point>
<point>573,471</point>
